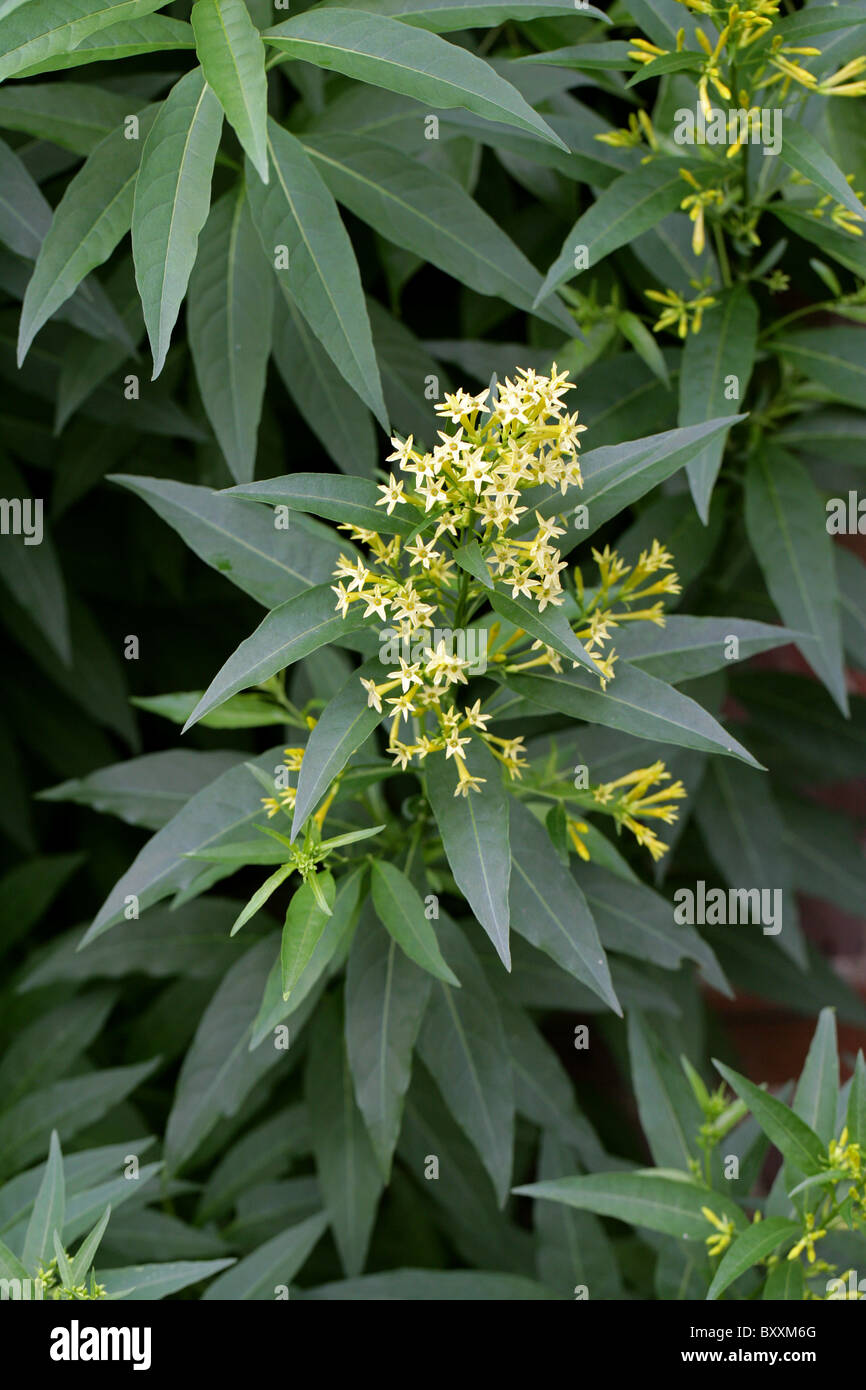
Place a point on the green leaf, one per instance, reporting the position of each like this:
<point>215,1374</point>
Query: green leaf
<point>127,39</point>
<point>724,348</point>
<point>474,832</point>
<point>442,16</point>
<point>548,908</point>
<point>829,357</point>
<point>241,712</point>
<point>305,241</point>
<point>669,1114</point>
<point>73,115</point>
<point>744,832</point>
<point>648,1198</point>
<point>785,522</point>
<point>756,1243</point>
<point>330,408</point>
<point>89,221</point>
<point>219,1070</point>
<point>348,1172</point>
<point>346,722</point>
<point>616,475</point>
<point>145,1283</point>
<point>803,152</point>
<point>386,996</point>
<point>463,1044</point>
<point>401,910</point>
<point>631,205</point>
<point>43,29</point>
<point>794,1139</point>
<point>855,1116</point>
<point>67,1106</point>
<point>433,1286</point>
<point>30,569</point>
<point>216,814</point>
<point>470,559</point>
<point>543,1090</point>
<point>550,627</point>
<point>389,54</point>
<point>172,198</point>
<point>242,542</point>
<point>295,629</point>
<point>337,499</point>
<point>275,1263</point>
<point>87,1250</point>
<point>144,791</point>
<point>303,927</point>
<point>229,316</point>
<point>430,214</point>
<point>645,345</point>
<point>817,1095</point>
<point>634,702</point>
<point>24,213</point>
<point>48,1211</point>
<point>261,896</point>
<point>786,1283</point>
<point>10,1265</point>
<point>686,648</point>
<point>232,58</point>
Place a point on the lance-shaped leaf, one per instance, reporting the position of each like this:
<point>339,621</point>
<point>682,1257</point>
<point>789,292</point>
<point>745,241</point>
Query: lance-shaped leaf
<point>321,395</point>
<point>714,374</point>
<point>151,1282</point>
<point>172,198</point>
<point>655,1200</point>
<point>429,213</point>
<point>795,1140</point>
<point>464,1044</point>
<point>240,541</point>
<point>44,29</point>
<point>616,475</point>
<point>389,54</point>
<point>308,246</point>
<point>550,627</point>
<point>30,569</point>
<point>635,702</point>
<point>89,221</point>
<point>669,1114</point>
<point>24,213</point>
<point>348,1172</point>
<point>127,39</point>
<point>817,1095</point>
<point>829,356</point>
<point>752,1245</point>
<point>48,1211</point>
<point>804,153</point>
<point>687,647</point>
<point>344,724</point>
<point>295,629</point>
<point>333,497</point>
<point>86,1251</point>
<point>273,1264</point>
<point>443,16</point>
<point>401,910</point>
<point>216,814</point>
<point>474,832</point>
<point>386,996</point>
<point>261,896</point>
<point>219,1070</point>
<point>548,908</point>
<point>855,1115</point>
<point>786,524</point>
<point>631,205</point>
<point>229,315</point>
<point>75,116</point>
<point>232,58</point>
<point>304,924</point>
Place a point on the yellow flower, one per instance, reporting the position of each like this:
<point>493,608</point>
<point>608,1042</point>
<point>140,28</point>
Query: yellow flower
<point>725,1229</point>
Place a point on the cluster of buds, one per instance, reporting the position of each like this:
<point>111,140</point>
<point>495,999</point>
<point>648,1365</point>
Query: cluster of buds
<point>631,801</point>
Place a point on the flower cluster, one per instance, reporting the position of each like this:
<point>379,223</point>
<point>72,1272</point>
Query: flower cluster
<point>468,487</point>
<point>630,801</point>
